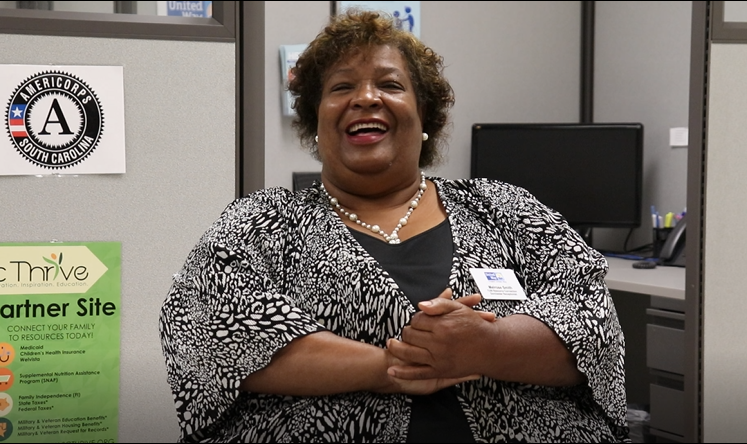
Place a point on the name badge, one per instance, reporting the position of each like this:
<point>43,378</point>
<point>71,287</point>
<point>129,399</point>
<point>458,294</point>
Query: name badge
<point>498,284</point>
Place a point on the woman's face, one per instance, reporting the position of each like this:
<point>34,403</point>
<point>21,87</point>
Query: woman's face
<point>369,120</point>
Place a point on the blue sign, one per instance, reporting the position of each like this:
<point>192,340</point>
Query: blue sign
<point>406,14</point>
<point>188,9</point>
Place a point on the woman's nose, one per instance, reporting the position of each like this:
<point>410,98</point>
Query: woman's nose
<point>366,96</point>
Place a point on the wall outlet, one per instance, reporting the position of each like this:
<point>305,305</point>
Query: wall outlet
<point>678,137</point>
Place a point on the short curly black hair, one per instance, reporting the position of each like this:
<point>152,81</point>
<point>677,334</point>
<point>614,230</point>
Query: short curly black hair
<point>352,30</point>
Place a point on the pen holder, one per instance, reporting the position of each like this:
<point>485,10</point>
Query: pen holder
<point>660,238</point>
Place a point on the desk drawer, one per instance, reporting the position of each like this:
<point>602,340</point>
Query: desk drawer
<point>667,409</point>
<point>665,348</point>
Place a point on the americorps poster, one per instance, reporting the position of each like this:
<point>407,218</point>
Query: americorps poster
<point>59,341</point>
<point>62,120</point>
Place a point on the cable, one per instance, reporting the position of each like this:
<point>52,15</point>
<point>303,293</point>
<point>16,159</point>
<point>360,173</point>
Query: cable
<point>627,238</point>
<point>641,248</point>
<point>631,257</point>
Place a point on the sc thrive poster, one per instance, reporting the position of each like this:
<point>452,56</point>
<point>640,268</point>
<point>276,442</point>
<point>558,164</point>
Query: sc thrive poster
<point>59,341</point>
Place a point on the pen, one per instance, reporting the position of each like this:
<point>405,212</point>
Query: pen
<point>654,219</point>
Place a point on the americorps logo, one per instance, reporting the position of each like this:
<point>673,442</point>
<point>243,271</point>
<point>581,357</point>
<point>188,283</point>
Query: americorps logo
<point>48,269</point>
<point>54,120</point>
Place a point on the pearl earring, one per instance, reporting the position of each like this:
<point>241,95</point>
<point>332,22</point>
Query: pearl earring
<point>316,138</point>
<point>425,137</point>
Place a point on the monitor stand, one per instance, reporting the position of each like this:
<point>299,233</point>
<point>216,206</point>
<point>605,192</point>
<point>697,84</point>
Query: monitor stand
<point>586,234</point>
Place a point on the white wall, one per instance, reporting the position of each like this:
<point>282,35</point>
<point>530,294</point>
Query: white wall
<point>507,62</point>
<point>642,65</point>
<point>286,23</point>
<point>78,6</point>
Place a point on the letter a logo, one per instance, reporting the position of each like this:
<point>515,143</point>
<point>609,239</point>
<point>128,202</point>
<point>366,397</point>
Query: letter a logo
<point>55,120</point>
<point>55,108</point>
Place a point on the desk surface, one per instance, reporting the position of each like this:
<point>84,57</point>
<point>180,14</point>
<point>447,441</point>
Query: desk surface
<point>668,282</point>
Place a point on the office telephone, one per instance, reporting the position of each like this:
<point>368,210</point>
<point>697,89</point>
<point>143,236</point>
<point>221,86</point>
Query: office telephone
<point>673,250</point>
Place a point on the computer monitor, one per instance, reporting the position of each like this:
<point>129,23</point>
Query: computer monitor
<point>591,173</point>
<point>306,179</point>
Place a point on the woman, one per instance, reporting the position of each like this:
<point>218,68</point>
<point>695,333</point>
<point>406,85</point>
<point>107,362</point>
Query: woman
<point>347,311</point>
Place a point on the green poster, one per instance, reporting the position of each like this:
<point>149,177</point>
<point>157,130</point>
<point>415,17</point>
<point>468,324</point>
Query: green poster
<point>59,341</point>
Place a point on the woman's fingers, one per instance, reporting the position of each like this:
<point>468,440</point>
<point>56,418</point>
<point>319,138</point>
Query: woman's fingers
<point>408,353</point>
<point>444,303</point>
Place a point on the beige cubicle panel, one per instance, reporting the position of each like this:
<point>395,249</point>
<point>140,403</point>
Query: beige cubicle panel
<point>724,304</point>
<point>715,382</point>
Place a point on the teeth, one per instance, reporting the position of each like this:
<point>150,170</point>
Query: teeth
<point>370,125</point>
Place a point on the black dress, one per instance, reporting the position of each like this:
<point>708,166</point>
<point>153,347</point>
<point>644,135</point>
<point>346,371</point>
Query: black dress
<point>421,266</point>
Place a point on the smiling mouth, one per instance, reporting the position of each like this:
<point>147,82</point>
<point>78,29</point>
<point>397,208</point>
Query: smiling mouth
<point>366,128</point>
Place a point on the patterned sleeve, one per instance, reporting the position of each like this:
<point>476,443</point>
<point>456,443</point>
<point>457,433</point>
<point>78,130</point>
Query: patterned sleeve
<point>225,315</point>
<point>564,282</point>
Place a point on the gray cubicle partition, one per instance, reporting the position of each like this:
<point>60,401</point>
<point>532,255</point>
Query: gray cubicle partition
<point>720,297</point>
<point>180,173</point>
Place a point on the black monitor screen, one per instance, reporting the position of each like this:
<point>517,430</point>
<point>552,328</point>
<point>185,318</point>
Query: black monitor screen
<point>590,173</point>
<point>305,180</point>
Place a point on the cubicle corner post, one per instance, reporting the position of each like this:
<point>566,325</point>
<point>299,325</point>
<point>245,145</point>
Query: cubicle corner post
<point>250,105</point>
<point>587,62</point>
<point>693,378</point>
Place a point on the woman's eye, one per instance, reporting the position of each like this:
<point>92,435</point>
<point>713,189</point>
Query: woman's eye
<point>393,85</point>
<point>340,87</point>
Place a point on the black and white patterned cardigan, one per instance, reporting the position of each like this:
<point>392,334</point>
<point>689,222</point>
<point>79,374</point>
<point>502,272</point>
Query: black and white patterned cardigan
<point>278,265</point>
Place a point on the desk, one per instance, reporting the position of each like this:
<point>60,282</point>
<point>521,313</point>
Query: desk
<point>664,340</point>
<point>666,285</point>
<point>667,282</point>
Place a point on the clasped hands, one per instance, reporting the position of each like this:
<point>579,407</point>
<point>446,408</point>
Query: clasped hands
<point>442,346</point>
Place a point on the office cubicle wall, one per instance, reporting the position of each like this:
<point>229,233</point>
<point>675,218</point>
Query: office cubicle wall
<point>180,173</point>
<point>724,352</point>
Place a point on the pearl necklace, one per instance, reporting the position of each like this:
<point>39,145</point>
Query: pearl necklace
<point>392,238</point>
